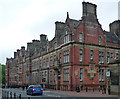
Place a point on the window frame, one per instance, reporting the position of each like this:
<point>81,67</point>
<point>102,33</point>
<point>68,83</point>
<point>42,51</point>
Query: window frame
<point>66,75</point>
<point>100,40</point>
<point>81,73</point>
<point>101,75</point>
<point>80,55</point>
<point>66,37</point>
<point>80,37</point>
<point>91,55</point>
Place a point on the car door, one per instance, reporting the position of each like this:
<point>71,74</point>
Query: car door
<point>29,89</point>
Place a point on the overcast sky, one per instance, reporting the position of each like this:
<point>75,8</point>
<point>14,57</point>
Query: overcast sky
<point>21,21</point>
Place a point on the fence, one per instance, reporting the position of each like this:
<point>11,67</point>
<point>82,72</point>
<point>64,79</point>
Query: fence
<point>10,95</point>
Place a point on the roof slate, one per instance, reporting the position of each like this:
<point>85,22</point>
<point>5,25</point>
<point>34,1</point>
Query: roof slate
<point>111,37</point>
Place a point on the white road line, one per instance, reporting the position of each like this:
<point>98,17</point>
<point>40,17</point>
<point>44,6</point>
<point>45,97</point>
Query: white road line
<point>52,95</point>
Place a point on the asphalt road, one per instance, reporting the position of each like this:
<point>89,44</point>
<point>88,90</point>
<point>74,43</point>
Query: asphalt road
<point>46,95</point>
<point>6,92</point>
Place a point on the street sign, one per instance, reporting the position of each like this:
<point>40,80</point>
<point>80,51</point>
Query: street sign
<point>108,73</point>
<point>30,78</point>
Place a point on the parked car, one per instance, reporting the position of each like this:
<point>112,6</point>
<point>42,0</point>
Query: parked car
<point>34,89</point>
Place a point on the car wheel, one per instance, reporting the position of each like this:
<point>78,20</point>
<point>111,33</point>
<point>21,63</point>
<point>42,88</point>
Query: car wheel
<point>31,93</point>
<point>27,93</point>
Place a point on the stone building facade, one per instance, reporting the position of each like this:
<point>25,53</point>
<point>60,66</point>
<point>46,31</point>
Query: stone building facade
<point>115,77</point>
<point>78,55</point>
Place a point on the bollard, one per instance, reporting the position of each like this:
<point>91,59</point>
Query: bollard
<point>108,90</point>
<point>2,94</point>
<point>14,95</point>
<point>10,95</point>
<point>77,89</point>
<point>86,89</point>
<point>93,89</point>
<point>5,94</point>
<point>20,96</point>
<point>99,89</point>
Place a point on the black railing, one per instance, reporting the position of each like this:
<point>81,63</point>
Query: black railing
<point>10,95</point>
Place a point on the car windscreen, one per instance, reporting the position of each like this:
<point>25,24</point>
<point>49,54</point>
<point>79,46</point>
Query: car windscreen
<point>37,86</point>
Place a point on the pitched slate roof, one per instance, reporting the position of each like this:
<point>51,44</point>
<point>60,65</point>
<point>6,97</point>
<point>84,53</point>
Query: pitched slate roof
<point>74,23</point>
<point>111,37</point>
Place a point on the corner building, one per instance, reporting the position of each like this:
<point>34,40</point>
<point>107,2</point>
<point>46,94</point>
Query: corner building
<point>78,55</point>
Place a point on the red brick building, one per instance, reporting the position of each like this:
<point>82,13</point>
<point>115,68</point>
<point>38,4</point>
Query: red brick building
<point>78,55</point>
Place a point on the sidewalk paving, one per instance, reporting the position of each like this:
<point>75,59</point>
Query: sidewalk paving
<point>90,93</point>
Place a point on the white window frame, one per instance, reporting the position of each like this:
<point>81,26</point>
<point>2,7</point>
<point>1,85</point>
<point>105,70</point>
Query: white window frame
<point>81,74</point>
<point>66,74</point>
<point>100,40</point>
<point>66,38</point>
<point>81,55</point>
<point>111,57</point>
<point>66,56</point>
<point>91,54</point>
<point>80,37</point>
<point>101,75</point>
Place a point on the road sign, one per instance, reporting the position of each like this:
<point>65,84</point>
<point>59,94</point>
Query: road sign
<point>30,78</point>
<point>108,73</point>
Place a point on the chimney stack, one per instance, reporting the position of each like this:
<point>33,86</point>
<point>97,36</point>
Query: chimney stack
<point>89,10</point>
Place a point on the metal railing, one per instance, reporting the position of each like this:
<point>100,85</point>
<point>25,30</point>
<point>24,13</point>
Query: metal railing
<point>10,95</point>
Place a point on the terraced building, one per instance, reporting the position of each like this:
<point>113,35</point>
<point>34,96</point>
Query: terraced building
<point>78,55</point>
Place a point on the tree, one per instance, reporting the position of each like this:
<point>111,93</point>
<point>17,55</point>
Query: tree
<point>2,74</point>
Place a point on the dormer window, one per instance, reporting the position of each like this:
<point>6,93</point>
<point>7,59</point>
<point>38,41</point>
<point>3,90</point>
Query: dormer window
<point>66,37</point>
<point>100,40</point>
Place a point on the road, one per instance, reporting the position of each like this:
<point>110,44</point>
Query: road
<point>47,95</point>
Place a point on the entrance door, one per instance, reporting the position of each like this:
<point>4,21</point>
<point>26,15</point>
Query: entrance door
<point>58,84</point>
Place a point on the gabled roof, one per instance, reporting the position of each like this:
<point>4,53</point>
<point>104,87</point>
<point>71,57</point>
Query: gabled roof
<point>74,23</point>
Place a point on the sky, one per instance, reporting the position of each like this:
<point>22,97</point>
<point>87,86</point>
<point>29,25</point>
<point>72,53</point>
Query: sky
<point>21,21</point>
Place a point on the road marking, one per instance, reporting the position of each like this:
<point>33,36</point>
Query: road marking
<point>52,95</point>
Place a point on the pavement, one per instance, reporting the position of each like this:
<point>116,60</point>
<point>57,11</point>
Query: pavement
<point>90,93</point>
